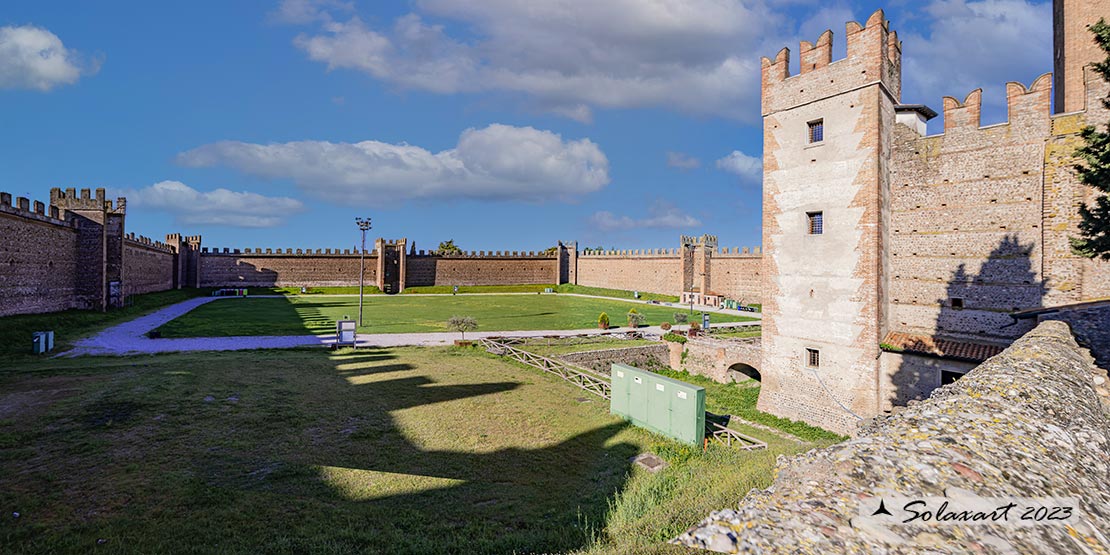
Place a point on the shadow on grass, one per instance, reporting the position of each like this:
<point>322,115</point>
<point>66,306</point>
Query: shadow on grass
<point>513,499</point>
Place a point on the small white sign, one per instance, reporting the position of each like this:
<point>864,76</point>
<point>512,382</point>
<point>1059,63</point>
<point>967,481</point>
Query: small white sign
<point>620,373</point>
<point>681,394</point>
<point>659,387</point>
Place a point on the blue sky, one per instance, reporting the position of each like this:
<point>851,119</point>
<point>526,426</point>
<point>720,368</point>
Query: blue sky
<point>500,124</point>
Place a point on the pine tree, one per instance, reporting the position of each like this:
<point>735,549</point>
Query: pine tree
<point>1094,169</point>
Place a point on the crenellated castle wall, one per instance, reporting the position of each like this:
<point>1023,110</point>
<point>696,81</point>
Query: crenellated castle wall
<point>38,258</point>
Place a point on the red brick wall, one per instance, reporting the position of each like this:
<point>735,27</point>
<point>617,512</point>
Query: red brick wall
<point>649,273</point>
<point>738,278</point>
<point>283,270</point>
<point>38,262</point>
<point>477,270</point>
<point>146,268</point>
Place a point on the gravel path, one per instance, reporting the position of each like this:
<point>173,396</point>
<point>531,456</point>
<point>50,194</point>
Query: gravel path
<point>129,338</point>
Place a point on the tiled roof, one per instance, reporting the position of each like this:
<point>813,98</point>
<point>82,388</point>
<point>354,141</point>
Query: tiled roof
<point>945,348</point>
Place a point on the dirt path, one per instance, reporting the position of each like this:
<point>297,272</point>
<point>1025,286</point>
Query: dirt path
<point>129,338</point>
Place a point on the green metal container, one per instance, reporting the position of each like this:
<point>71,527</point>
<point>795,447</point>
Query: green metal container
<point>669,407</point>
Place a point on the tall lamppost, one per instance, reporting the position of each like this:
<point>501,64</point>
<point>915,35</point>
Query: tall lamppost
<point>363,225</point>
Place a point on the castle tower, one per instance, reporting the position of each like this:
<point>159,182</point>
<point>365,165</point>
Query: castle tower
<point>1074,49</point>
<point>100,230</point>
<point>826,211</point>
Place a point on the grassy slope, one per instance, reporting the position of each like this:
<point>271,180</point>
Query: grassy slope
<point>405,450</point>
<point>397,314</point>
<point>69,325</point>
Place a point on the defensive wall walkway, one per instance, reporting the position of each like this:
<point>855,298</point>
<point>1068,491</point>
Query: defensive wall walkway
<point>1030,426</point>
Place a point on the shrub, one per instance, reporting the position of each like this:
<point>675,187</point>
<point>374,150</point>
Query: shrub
<point>635,319</point>
<point>665,326</point>
<point>462,324</point>
<point>680,317</point>
<point>603,321</point>
<point>695,326</point>
<point>674,338</point>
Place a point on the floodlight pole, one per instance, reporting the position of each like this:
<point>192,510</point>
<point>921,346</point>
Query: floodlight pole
<point>363,225</point>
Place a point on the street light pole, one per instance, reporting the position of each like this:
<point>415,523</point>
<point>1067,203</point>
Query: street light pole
<point>363,225</point>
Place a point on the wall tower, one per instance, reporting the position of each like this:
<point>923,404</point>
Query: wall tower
<point>1074,49</point>
<point>826,212</point>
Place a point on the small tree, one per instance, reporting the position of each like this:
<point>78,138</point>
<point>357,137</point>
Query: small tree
<point>1094,169</point>
<point>635,319</point>
<point>680,317</point>
<point>550,251</point>
<point>462,324</point>
<point>448,247</point>
<point>603,321</point>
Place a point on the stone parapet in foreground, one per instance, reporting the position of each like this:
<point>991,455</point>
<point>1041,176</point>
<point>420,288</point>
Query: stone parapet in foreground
<point>1032,421</point>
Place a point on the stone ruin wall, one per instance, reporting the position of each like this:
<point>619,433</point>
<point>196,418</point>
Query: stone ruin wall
<point>983,214</point>
<point>38,258</point>
<point>1033,421</point>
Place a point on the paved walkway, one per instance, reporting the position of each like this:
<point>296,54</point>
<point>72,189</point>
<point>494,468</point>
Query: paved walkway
<point>129,338</point>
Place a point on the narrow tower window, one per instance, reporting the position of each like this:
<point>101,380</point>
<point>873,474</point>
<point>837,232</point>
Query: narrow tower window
<point>816,131</point>
<point>816,222</point>
<point>813,358</point>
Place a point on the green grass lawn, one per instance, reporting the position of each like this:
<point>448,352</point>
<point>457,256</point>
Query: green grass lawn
<point>398,313</point>
<point>736,333</point>
<point>307,451</point>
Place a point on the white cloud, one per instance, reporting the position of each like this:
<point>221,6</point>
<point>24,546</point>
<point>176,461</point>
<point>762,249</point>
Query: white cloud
<point>977,44</point>
<point>300,12</point>
<point>498,162</point>
<point>34,58</point>
<point>216,207</point>
<point>568,57</point>
<point>682,161</point>
<point>661,215</point>
<point>749,168</point>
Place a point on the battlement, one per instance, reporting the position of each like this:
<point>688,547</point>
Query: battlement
<point>655,253</point>
<point>708,241</point>
<point>1025,106</point>
<point>227,251</point>
<point>70,200</point>
<point>25,208</point>
<point>486,254</point>
<point>148,243</point>
<point>874,55</point>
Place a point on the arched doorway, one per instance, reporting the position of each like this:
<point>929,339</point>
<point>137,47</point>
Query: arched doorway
<point>741,373</point>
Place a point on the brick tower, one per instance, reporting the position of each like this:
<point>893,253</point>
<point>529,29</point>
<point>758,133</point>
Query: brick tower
<point>100,225</point>
<point>1074,49</point>
<point>826,210</point>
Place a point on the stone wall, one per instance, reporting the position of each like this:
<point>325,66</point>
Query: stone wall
<point>738,277</point>
<point>645,356</point>
<point>652,273</point>
<point>714,358</point>
<point>148,266</point>
<point>506,269</point>
<point>284,268</point>
<point>732,272</point>
<point>38,258</point>
<point>981,218</point>
<point>1030,422</point>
